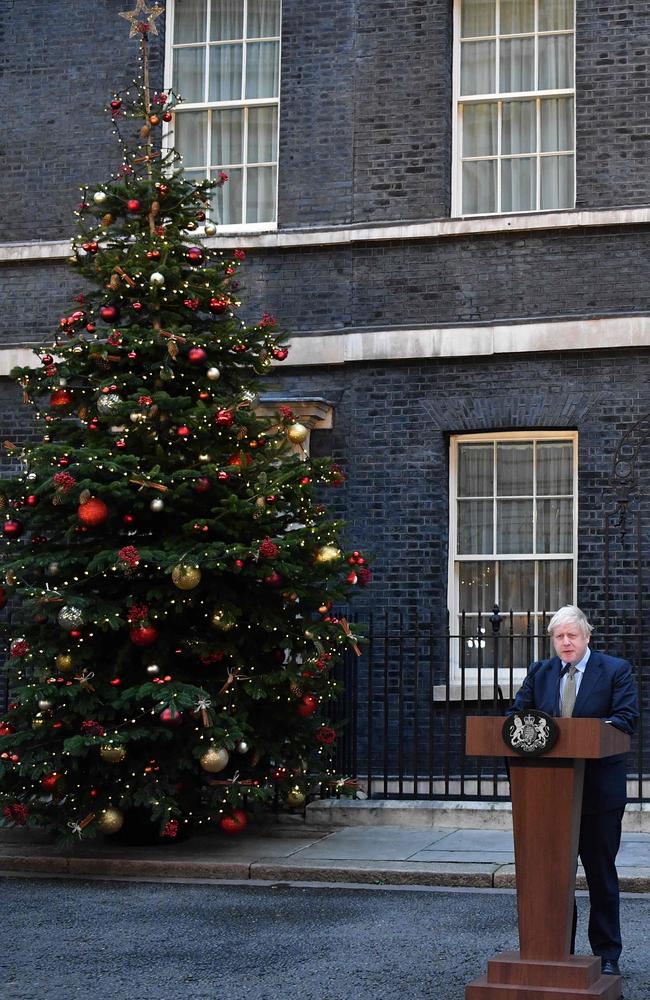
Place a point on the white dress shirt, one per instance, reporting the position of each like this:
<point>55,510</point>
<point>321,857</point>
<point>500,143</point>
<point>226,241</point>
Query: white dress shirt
<point>580,668</point>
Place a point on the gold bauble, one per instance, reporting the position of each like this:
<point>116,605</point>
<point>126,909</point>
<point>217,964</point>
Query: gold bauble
<point>328,553</point>
<point>297,433</point>
<point>222,619</point>
<point>64,662</point>
<point>38,721</point>
<point>111,820</point>
<point>296,797</point>
<point>186,577</point>
<point>214,759</point>
<point>112,754</point>
<point>45,705</point>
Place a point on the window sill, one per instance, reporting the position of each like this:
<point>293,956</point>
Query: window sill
<point>454,692</point>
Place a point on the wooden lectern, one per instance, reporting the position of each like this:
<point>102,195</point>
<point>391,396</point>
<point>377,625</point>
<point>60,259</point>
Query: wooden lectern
<point>546,804</point>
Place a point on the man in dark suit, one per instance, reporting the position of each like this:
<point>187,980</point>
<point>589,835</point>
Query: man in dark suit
<point>583,683</point>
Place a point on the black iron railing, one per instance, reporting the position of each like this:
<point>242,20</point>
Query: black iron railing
<point>407,697</point>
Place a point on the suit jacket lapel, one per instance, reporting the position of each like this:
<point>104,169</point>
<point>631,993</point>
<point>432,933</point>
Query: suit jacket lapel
<point>589,678</point>
<point>556,667</point>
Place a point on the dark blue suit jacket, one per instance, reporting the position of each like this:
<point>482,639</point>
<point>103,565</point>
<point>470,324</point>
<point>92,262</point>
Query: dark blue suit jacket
<point>607,691</point>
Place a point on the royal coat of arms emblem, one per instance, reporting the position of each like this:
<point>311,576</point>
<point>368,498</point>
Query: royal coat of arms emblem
<point>530,733</point>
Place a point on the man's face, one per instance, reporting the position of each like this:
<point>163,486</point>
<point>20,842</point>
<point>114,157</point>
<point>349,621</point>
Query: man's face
<point>570,642</point>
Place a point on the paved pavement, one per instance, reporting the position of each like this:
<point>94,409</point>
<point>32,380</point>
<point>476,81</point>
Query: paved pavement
<point>68,940</point>
<point>437,856</point>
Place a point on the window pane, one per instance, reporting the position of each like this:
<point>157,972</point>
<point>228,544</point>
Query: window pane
<point>517,65</point>
<point>475,586</point>
<point>518,127</point>
<point>263,18</point>
<point>555,525</point>
<point>227,200</point>
<point>190,133</point>
<point>189,21</point>
<point>477,18</point>
<point>189,67</point>
<point>226,20</point>
<point>518,185</point>
<point>195,175</point>
<point>557,182</point>
<point>260,194</point>
<point>554,468</point>
<point>518,653</point>
<point>225,72</point>
<point>515,526</point>
<point>477,68</point>
<point>555,62</point>
<point>262,134</point>
<point>516,17</point>
<point>514,470</point>
<point>262,66</point>
<point>517,586</point>
<point>475,474</point>
<point>479,187</point>
<point>555,583</point>
<point>227,136</point>
<point>480,129</point>
<point>555,14</point>
<point>474,527</point>
<point>556,124</point>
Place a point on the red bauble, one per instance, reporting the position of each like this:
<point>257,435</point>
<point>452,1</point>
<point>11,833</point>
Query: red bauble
<point>218,305</point>
<point>93,512</point>
<point>3,597</point>
<point>279,774</point>
<point>197,356</point>
<point>128,519</point>
<point>167,117</point>
<point>61,398</point>
<point>133,205</point>
<point>90,327</point>
<point>163,190</point>
<point>273,579</point>
<point>223,477</point>
<point>64,461</point>
<point>108,313</point>
<point>235,823</point>
<point>307,706</point>
<point>12,529</point>
<point>49,781</point>
<point>144,635</point>
<point>195,255</point>
<point>91,247</point>
<point>32,500</point>
<point>183,431</point>
<point>171,718</point>
<point>136,306</point>
<point>116,104</point>
<point>76,633</point>
<point>280,353</point>
<point>202,485</point>
<point>224,418</point>
<point>47,359</point>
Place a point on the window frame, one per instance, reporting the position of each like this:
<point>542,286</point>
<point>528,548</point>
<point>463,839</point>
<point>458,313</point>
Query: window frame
<point>459,102</point>
<point>210,106</point>
<point>468,678</point>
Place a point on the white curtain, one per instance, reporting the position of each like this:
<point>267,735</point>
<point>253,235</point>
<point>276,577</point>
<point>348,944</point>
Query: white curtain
<point>190,131</point>
<point>225,73</point>
<point>226,20</point>
<point>475,470</point>
<point>262,66</point>
<point>263,18</point>
<point>260,194</point>
<point>516,65</point>
<point>262,134</point>
<point>189,74</point>
<point>227,200</point>
<point>189,21</point>
<point>227,137</point>
<point>555,62</point>
<point>475,527</point>
<point>476,586</point>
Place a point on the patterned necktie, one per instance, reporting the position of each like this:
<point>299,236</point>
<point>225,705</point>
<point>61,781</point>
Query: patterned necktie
<point>569,693</point>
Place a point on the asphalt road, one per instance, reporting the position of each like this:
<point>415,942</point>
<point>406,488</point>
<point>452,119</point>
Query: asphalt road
<point>63,940</point>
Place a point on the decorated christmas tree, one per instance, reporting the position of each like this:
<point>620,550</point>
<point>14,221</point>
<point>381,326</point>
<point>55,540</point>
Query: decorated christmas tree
<point>171,565</point>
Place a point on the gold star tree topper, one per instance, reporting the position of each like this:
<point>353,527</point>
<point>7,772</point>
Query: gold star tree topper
<point>142,18</point>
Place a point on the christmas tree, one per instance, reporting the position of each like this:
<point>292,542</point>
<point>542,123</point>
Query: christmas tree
<point>173,568</point>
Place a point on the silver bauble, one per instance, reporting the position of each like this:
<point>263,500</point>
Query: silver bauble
<point>156,505</point>
<point>153,668</point>
<point>210,229</point>
<point>100,197</point>
<point>108,403</point>
<point>242,746</point>
<point>137,417</point>
<point>213,374</point>
<point>45,705</point>
<point>70,618</point>
<point>157,279</point>
<point>52,569</point>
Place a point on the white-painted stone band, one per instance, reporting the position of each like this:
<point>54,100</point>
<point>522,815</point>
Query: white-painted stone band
<point>444,342</point>
<point>348,235</point>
